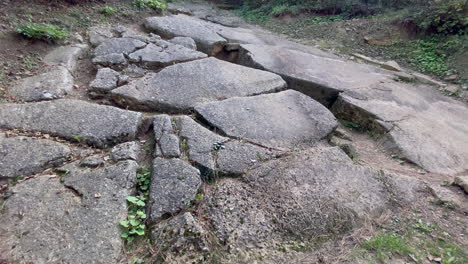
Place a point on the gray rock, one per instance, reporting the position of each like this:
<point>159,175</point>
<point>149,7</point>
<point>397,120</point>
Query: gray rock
<point>162,125</point>
<point>53,84</point>
<point>106,80</point>
<point>92,161</point>
<point>179,234</point>
<point>187,42</point>
<point>180,87</point>
<point>447,197</point>
<point>174,185</point>
<point>237,157</point>
<point>97,35</point>
<point>164,53</point>
<point>169,145</point>
<point>217,154</point>
<point>346,145</point>
<point>74,120</point>
<point>118,46</point>
<point>134,71</point>
<point>115,60</point>
<point>185,26</point>
<point>66,56</point>
<point>318,192</point>
<point>198,142</point>
<point>23,156</point>
<point>415,120</point>
<point>126,151</point>
<point>75,223</point>
<point>462,182</point>
<point>322,78</point>
<point>284,120</point>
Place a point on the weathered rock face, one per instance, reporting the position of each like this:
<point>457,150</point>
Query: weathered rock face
<point>66,56</point>
<point>185,26</point>
<point>182,233</point>
<point>45,221</point>
<point>118,46</point>
<point>106,80</point>
<point>321,78</point>
<point>163,53</point>
<point>180,87</point>
<point>416,120</point>
<point>313,193</point>
<point>23,156</point>
<point>216,154</point>
<point>52,84</point>
<point>126,151</point>
<point>174,185</point>
<point>75,120</point>
<point>284,120</point>
<point>184,41</point>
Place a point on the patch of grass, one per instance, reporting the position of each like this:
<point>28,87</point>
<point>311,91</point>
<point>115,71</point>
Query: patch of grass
<point>81,19</point>
<point>107,11</point>
<point>42,31</point>
<point>154,4</point>
<point>386,245</point>
<point>430,55</point>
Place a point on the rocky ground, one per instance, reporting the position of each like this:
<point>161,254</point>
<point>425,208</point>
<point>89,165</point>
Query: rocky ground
<point>196,138</point>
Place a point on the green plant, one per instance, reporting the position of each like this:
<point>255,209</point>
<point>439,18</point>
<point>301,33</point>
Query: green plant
<point>423,226</point>
<point>134,225</point>
<point>42,31</point>
<point>107,11</point>
<point>385,245</point>
<point>154,4</point>
<point>444,17</point>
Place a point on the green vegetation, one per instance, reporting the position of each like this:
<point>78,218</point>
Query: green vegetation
<point>42,31</point>
<point>107,11</point>
<point>385,245</point>
<point>154,4</point>
<point>430,55</point>
<point>134,225</point>
<point>416,241</point>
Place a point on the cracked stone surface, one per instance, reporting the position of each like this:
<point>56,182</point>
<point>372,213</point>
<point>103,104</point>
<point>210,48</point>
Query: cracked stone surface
<point>184,41</point>
<point>416,120</point>
<point>98,34</point>
<point>53,84</point>
<point>174,184</point>
<point>179,234</point>
<point>74,120</point>
<point>284,120</point>
<point>312,193</point>
<point>24,156</point>
<point>185,26</point>
<point>106,80</point>
<point>45,221</point>
<point>66,56</point>
<point>163,53</point>
<point>180,87</point>
<point>118,46</point>
<point>213,152</point>
<point>167,143</point>
<point>126,151</point>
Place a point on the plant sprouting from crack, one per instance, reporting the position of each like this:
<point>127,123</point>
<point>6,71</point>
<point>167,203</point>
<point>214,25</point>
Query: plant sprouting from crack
<point>134,226</point>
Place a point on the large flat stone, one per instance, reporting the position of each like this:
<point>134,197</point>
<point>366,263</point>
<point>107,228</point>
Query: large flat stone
<point>180,87</point>
<point>315,193</point>
<point>74,120</point>
<point>284,120</point>
<point>53,84</point>
<point>174,185</point>
<point>45,221</point>
<point>185,26</point>
<point>23,156</point>
<point>214,154</point>
<point>320,77</point>
<point>118,46</point>
<point>163,53</point>
<point>419,123</point>
<point>66,56</point>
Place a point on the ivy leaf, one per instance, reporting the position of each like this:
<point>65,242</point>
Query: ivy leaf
<point>140,232</point>
<point>135,222</point>
<point>124,235</point>
<point>124,223</point>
